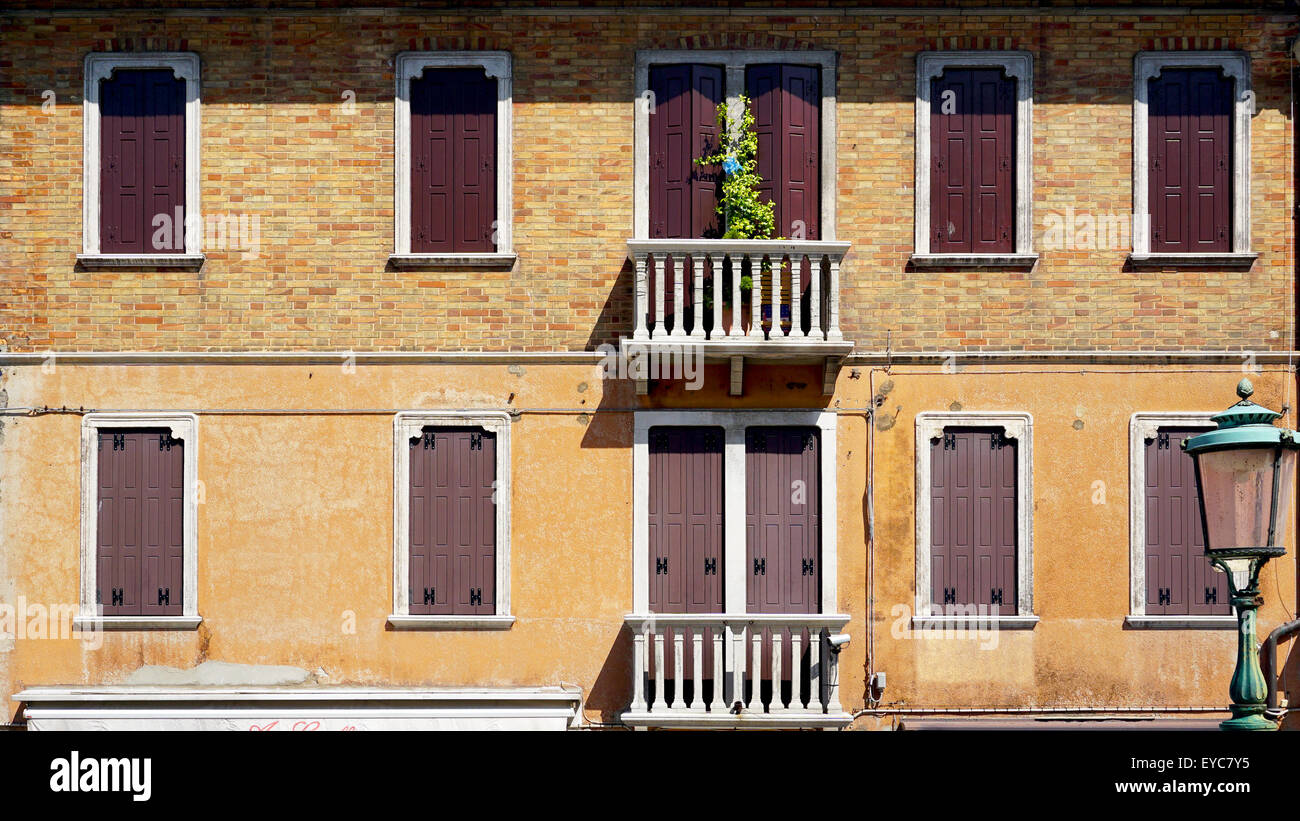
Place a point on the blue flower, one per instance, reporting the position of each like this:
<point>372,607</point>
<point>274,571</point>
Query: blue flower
<point>731,165</point>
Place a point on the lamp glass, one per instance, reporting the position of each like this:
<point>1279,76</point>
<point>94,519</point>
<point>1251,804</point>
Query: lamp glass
<point>1237,494</point>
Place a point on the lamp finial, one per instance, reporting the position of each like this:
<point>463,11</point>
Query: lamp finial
<point>1245,389</point>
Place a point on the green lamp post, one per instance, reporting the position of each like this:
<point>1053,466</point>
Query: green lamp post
<point>1245,474</point>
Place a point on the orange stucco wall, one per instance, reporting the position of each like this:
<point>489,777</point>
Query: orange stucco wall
<point>295,528</point>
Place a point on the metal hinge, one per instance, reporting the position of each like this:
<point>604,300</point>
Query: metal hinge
<point>760,567</point>
<point>661,565</point>
<point>1165,597</point>
<point>430,595</point>
<point>118,596</point>
<point>995,595</point>
<point>710,567</point>
<point>949,441</point>
<point>1162,440</point>
<point>119,441</point>
<point>426,439</point>
<point>476,595</point>
<point>807,567</point>
<point>165,441</point>
<point>950,595</point>
<point>760,442</point>
<point>164,595</point>
<point>476,441</point>
<point>1211,595</point>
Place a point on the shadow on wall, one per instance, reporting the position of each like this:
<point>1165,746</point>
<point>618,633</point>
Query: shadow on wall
<point>611,692</point>
<point>615,317</point>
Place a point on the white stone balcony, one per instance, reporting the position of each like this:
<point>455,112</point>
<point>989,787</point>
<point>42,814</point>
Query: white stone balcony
<point>690,291</point>
<point>746,670</point>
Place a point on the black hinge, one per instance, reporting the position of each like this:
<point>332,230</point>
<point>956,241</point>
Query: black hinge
<point>1165,597</point>
<point>710,567</point>
<point>1162,440</point>
<point>949,441</point>
<point>164,595</point>
<point>997,439</point>
<point>950,595</point>
<point>430,595</point>
<point>760,567</point>
<point>476,595</point>
<point>119,441</point>
<point>659,441</point>
<point>760,442</point>
<point>476,441</point>
<point>1211,595</point>
<point>807,567</point>
<point>165,441</point>
<point>809,442</point>
<point>118,596</point>
<point>661,565</point>
<point>426,440</point>
<point>995,595</point>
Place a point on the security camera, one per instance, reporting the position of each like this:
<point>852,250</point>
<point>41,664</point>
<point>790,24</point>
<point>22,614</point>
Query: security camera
<point>838,641</point>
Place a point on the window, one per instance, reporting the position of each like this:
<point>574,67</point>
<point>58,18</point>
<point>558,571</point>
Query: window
<point>1172,583</point>
<point>793,100</point>
<point>974,509</point>
<point>973,144</point>
<point>141,160</point>
<point>453,138</point>
<point>734,512</point>
<point>1191,150</point>
<point>451,520</point>
<point>138,507</point>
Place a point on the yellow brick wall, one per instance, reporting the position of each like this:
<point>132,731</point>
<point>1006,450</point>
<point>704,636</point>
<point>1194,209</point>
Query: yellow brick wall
<point>278,145</point>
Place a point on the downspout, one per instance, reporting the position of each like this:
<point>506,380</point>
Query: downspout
<point>1268,660</point>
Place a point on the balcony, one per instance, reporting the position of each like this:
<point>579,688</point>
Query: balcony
<point>774,671</point>
<point>693,292</point>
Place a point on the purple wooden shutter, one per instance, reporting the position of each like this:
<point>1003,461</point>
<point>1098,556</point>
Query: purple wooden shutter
<point>453,161</point>
<point>452,539</point>
<point>782,520</point>
<point>142,160</point>
<point>140,522</point>
<point>1179,578</point>
<point>786,101</point>
<point>973,520</point>
<point>1190,155</point>
<point>972,156</point>
<point>686,520</point>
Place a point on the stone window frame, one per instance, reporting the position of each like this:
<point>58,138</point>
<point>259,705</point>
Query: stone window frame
<point>1148,65</point>
<point>410,65</point>
<point>99,66</point>
<point>183,426</point>
<point>1015,425</point>
<point>407,425</point>
<point>1018,65</point>
<point>734,62</point>
<point>1144,425</point>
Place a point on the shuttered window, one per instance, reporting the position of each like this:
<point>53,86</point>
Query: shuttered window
<point>684,127</point>
<point>782,519</point>
<point>972,156</point>
<point>973,521</point>
<point>1179,578</point>
<point>1190,161</point>
<point>142,161</point>
<point>452,522</point>
<point>686,520</point>
<point>786,101</point>
<point>453,161</point>
<point>140,528</point>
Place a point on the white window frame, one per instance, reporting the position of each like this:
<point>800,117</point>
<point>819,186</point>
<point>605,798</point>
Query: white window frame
<point>411,65</point>
<point>1142,426</point>
<point>733,424</point>
<point>1019,66</point>
<point>99,66</point>
<point>734,63</point>
<point>1148,65</point>
<point>183,426</point>
<point>406,426</point>
<point>930,425</point>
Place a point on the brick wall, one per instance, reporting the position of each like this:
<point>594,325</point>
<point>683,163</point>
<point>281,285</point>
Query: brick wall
<point>280,145</point>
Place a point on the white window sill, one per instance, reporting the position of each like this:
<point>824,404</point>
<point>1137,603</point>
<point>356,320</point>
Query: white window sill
<point>974,260</point>
<point>136,622</point>
<point>1227,260</point>
<point>974,622</point>
<point>191,261</point>
<point>1181,622</point>
<point>401,622</point>
<point>505,260</point>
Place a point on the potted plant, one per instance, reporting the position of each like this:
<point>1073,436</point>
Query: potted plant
<point>744,214</point>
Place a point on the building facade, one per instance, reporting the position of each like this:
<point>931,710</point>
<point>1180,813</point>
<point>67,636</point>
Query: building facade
<point>388,367</point>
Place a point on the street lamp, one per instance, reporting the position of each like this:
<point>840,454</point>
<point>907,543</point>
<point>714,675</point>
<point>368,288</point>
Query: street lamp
<point>1245,473</point>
